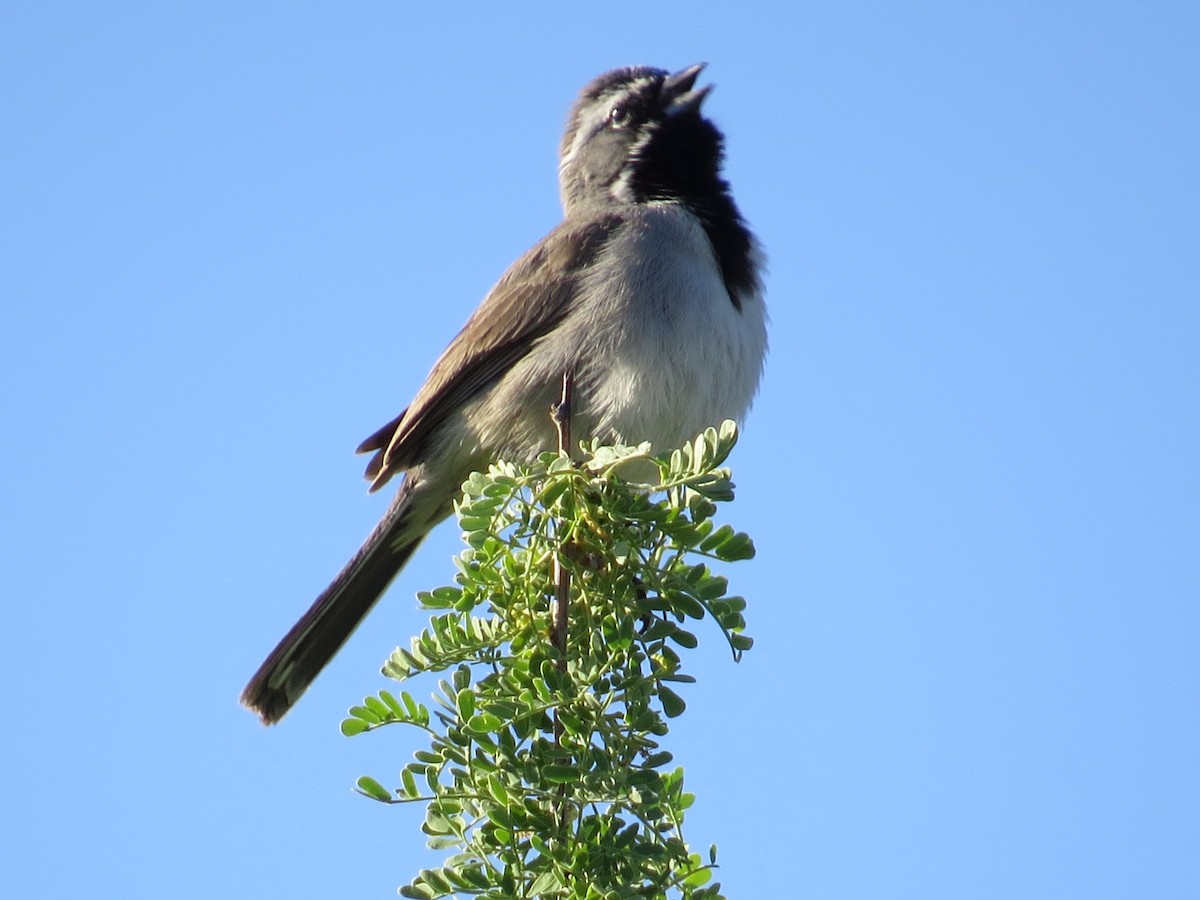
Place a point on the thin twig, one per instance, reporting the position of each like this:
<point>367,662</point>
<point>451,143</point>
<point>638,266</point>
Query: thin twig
<point>560,413</point>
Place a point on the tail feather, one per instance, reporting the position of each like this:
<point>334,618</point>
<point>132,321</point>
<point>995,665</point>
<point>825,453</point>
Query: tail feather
<point>312,642</point>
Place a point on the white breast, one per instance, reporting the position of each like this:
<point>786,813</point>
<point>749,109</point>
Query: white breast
<point>672,352</point>
<point>659,350</point>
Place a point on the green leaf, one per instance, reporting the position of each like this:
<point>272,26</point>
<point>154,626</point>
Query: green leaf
<point>684,638</point>
<point>701,507</point>
<point>484,723</point>
<point>462,676</point>
<point>545,883</point>
<point>373,789</point>
<point>393,704</point>
<point>560,774</point>
<point>409,783</point>
<point>436,880</point>
<point>678,678</point>
<point>475,876</point>
<point>659,629</point>
<point>560,464</point>
<point>571,722</point>
<point>497,789</point>
<point>367,715</point>
<point>552,491</point>
<point>716,539</point>
<point>672,703</point>
<point>377,706</point>
<point>436,823</point>
<point>501,816</point>
<point>474,523</point>
<point>428,601</point>
<point>712,587</point>
<point>738,547</point>
<point>741,641</point>
<point>466,706</point>
<point>685,605</point>
<point>431,779</point>
<point>655,760</point>
<point>351,727</point>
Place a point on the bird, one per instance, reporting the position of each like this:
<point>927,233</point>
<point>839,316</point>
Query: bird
<point>648,294</point>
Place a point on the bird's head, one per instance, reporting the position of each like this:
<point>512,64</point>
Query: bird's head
<point>636,135</point>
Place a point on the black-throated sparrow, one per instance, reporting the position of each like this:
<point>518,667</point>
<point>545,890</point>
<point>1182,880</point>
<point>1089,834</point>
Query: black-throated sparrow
<point>648,292</point>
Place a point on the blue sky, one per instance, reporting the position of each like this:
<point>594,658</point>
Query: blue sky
<point>235,238</point>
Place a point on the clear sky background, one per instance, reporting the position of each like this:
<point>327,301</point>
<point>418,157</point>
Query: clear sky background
<point>234,237</point>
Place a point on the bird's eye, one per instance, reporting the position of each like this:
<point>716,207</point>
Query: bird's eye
<point>619,116</point>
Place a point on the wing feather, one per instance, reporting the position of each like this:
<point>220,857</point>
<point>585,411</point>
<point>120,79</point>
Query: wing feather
<point>534,295</point>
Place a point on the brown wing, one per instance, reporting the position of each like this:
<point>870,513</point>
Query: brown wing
<point>534,295</point>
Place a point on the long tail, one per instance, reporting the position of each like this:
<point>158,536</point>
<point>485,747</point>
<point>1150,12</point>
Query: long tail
<point>319,634</point>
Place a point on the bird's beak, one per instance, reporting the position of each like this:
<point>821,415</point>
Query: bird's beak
<point>679,95</point>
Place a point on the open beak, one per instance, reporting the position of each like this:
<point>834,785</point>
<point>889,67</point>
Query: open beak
<point>679,95</point>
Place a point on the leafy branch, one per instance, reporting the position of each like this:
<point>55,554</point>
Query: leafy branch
<point>590,811</point>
